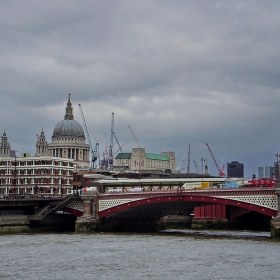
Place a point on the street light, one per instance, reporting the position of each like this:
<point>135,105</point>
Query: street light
<point>60,187</point>
<point>277,166</point>
<point>202,160</point>
<point>15,179</point>
<point>139,173</point>
<point>75,187</point>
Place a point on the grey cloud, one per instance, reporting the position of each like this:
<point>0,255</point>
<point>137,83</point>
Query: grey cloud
<point>190,72</point>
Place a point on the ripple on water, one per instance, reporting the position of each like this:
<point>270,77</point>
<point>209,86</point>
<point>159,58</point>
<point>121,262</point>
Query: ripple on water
<point>176,254</point>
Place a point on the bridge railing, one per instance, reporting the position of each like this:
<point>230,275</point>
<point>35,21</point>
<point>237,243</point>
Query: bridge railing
<point>42,211</point>
<point>88,194</point>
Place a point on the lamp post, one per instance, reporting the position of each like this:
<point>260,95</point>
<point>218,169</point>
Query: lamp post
<point>139,174</point>
<point>277,166</point>
<point>76,177</point>
<point>15,179</point>
<point>139,177</point>
<point>202,160</point>
<point>60,187</point>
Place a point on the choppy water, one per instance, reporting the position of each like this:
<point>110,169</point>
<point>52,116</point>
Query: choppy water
<point>169,255</point>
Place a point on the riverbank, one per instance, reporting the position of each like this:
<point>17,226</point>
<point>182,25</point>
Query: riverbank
<point>25,224</point>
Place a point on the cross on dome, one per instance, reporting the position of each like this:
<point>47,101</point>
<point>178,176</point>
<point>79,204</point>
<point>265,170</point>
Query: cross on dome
<point>69,110</point>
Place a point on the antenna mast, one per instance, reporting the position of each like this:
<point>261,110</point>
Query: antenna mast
<point>110,158</point>
<point>189,160</point>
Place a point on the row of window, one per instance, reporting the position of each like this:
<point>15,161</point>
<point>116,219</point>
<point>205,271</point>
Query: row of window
<point>26,181</point>
<point>149,163</point>
<point>72,140</point>
<point>35,162</point>
<point>36,172</point>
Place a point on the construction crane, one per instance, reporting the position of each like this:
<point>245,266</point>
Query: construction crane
<point>181,164</point>
<point>134,136</point>
<point>119,149</point>
<point>96,154</point>
<point>95,151</point>
<point>120,146</point>
<point>189,160</point>
<point>196,167</point>
<point>113,135</point>
<point>110,158</point>
<point>164,144</point>
<point>104,162</point>
<point>220,170</point>
<point>206,168</point>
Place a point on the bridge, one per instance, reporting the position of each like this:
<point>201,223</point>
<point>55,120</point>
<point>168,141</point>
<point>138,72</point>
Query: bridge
<point>161,203</point>
<point>116,209</point>
<point>144,209</point>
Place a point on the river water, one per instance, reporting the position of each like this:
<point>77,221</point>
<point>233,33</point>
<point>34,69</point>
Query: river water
<point>184,254</point>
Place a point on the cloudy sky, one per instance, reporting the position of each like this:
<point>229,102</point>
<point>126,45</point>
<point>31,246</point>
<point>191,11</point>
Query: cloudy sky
<point>178,72</point>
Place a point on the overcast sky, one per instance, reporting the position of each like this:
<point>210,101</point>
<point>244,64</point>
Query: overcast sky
<point>179,73</point>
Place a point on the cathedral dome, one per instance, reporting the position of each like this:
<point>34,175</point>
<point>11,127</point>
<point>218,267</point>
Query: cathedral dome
<point>68,126</point>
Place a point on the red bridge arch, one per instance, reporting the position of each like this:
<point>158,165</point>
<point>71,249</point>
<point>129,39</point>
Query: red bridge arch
<point>263,201</point>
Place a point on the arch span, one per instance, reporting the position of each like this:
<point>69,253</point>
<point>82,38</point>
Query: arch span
<point>160,206</point>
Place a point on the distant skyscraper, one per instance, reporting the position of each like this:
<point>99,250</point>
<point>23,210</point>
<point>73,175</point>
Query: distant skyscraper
<point>261,172</point>
<point>235,169</point>
<point>276,170</point>
<point>265,172</point>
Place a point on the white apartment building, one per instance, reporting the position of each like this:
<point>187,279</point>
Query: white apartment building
<point>30,175</point>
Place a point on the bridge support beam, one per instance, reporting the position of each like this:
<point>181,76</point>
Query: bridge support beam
<point>275,221</point>
<point>89,221</point>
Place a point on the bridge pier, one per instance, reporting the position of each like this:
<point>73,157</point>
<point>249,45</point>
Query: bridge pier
<point>89,221</point>
<point>275,227</point>
<point>132,224</point>
<point>275,221</point>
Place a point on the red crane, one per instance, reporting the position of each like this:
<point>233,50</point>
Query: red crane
<point>221,170</point>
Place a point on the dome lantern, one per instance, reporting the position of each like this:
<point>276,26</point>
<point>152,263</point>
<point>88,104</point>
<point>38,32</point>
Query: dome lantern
<point>68,126</point>
<point>69,110</point>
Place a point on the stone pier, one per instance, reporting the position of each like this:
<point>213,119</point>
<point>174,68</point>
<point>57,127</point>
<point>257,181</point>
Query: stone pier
<point>89,222</point>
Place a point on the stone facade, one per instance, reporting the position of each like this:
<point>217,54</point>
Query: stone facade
<point>138,159</point>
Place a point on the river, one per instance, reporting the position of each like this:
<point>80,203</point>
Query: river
<point>184,254</point>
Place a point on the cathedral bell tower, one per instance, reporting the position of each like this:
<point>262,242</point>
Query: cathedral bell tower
<point>42,147</point>
<point>5,148</point>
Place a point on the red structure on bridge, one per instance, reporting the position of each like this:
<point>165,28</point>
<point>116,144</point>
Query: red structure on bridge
<point>207,203</point>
